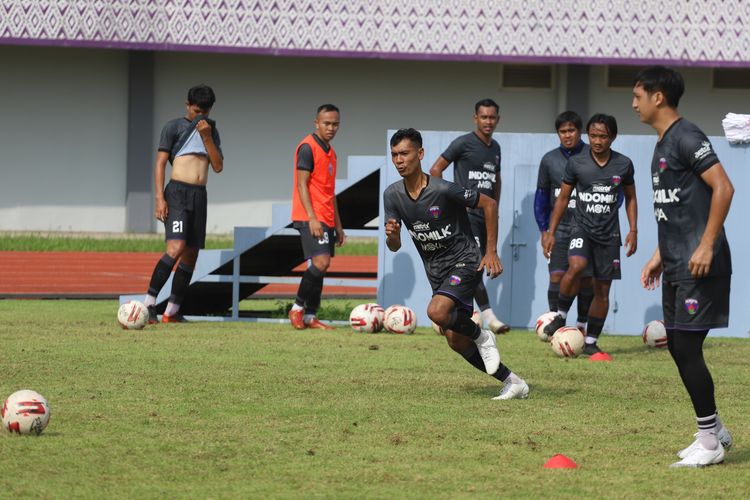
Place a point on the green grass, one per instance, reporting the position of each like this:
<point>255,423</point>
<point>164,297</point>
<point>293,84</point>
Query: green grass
<point>240,410</point>
<point>57,242</point>
<point>331,309</point>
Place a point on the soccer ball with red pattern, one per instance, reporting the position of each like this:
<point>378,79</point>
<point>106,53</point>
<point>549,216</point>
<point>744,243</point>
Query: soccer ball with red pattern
<point>367,318</point>
<point>654,334</point>
<point>543,321</point>
<point>25,412</point>
<point>132,315</point>
<point>400,319</point>
<point>567,342</point>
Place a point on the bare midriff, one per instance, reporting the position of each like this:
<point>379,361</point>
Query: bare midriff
<point>191,169</point>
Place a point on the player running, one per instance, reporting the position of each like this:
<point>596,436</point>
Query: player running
<point>598,178</point>
<point>434,212</point>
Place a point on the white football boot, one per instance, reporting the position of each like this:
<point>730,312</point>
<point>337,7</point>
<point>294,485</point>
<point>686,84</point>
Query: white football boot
<point>487,347</point>
<point>701,457</point>
<point>513,391</point>
<point>725,438</point>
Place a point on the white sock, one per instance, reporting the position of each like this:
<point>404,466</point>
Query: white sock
<point>295,307</point>
<point>581,326</point>
<point>150,300</point>
<point>590,340</point>
<point>171,309</point>
<point>488,316</point>
<point>512,379</point>
<point>708,439</point>
<point>307,318</point>
<point>564,314</point>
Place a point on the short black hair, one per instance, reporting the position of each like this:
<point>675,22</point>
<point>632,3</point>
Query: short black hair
<point>487,103</point>
<point>662,79</point>
<point>568,117</point>
<point>407,133</point>
<point>608,121</point>
<point>325,108</point>
<point>202,96</point>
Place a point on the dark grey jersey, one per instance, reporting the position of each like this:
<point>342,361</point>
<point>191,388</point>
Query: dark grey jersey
<point>682,200</point>
<point>475,164</point>
<point>598,189</point>
<point>550,176</point>
<point>437,222</point>
<point>180,137</point>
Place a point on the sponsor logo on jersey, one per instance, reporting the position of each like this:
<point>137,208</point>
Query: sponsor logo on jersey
<point>691,306</point>
<point>421,226</point>
<point>489,165</point>
<point>666,196</point>
<point>662,165</point>
<point>599,188</point>
<point>434,235</point>
<point>431,247</point>
<point>660,215</point>
<point>454,280</point>
<point>616,180</point>
<point>598,197</point>
<point>703,151</point>
<point>655,179</point>
<point>435,210</point>
<point>485,180</point>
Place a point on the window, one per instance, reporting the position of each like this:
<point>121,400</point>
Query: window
<point>731,78</point>
<point>526,76</point>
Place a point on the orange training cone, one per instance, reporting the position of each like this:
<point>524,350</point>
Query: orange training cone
<point>600,356</point>
<point>560,461</point>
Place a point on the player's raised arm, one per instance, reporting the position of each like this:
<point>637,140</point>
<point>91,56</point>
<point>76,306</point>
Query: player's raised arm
<point>437,168</point>
<point>393,235</point>
<point>212,149</point>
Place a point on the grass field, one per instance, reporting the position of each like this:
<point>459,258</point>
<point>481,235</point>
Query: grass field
<point>208,410</point>
<point>60,242</point>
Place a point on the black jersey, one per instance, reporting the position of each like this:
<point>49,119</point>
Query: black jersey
<point>550,176</point>
<point>475,164</point>
<point>682,200</point>
<point>437,222</point>
<point>598,189</point>
<point>181,137</point>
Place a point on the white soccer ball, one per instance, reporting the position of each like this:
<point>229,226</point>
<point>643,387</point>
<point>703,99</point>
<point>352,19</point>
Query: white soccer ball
<point>543,321</point>
<point>367,318</point>
<point>132,315</point>
<point>567,342</point>
<point>25,412</point>
<point>654,334</point>
<point>400,319</point>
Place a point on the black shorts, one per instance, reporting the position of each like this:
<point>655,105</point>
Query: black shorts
<point>312,246</point>
<point>479,230</point>
<point>604,260</point>
<point>558,259</point>
<point>460,285</point>
<point>696,304</point>
<point>187,206</point>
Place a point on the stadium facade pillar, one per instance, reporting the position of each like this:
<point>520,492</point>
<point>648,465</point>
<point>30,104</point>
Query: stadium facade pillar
<point>139,200</point>
<point>577,89</point>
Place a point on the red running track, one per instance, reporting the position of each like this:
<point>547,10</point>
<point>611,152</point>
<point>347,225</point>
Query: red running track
<point>110,274</point>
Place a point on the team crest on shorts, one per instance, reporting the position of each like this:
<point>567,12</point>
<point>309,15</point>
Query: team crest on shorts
<point>454,280</point>
<point>616,180</point>
<point>435,211</point>
<point>616,263</point>
<point>662,165</point>
<point>691,306</point>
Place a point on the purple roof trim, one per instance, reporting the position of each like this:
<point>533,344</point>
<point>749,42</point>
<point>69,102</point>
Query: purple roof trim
<point>166,47</point>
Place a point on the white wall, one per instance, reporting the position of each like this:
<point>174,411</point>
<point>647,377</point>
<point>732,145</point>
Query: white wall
<point>62,139</point>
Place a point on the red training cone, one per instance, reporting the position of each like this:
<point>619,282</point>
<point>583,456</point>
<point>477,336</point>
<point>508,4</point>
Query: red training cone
<point>600,356</point>
<point>560,461</point>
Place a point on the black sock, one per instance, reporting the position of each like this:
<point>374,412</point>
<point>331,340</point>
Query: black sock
<point>686,348</point>
<point>585,296</point>
<point>473,357</point>
<point>461,323</point>
<point>480,295</point>
<point>595,327</point>
<point>160,275</point>
<point>180,283</point>
<point>552,292</point>
<point>564,302</point>
<point>310,288</point>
